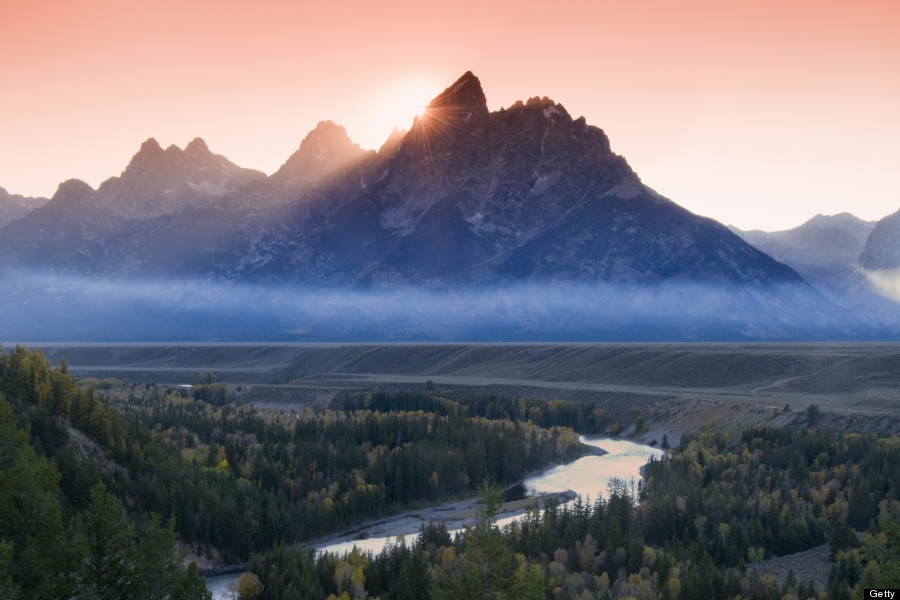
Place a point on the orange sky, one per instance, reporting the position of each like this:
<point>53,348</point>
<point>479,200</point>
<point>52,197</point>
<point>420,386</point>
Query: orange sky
<point>759,114</point>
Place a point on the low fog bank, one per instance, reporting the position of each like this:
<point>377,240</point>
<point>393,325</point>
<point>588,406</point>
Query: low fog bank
<point>885,282</point>
<point>41,308</point>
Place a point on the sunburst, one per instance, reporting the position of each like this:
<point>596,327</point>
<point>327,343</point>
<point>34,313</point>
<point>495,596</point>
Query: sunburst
<point>405,102</point>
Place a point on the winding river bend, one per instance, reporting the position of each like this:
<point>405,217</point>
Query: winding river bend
<point>588,476</point>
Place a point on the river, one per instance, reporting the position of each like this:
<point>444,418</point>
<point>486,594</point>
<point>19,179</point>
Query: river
<point>588,476</point>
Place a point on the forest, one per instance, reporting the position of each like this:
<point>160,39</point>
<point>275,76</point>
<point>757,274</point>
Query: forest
<point>228,478</point>
<point>709,512</point>
<point>106,486</point>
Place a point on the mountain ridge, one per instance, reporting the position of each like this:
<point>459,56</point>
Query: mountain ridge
<point>467,199</point>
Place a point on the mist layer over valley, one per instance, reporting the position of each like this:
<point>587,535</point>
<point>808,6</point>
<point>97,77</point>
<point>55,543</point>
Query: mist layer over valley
<point>67,308</point>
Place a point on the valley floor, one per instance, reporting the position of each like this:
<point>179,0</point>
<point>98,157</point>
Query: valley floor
<point>853,384</point>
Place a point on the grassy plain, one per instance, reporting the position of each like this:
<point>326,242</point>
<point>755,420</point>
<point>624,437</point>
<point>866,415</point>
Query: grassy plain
<point>841,378</point>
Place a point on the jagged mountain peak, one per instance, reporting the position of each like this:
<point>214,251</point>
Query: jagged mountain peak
<point>325,150</point>
<point>150,145</point>
<point>327,136</point>
<point>152,161</point>
<point>466,94</point>
<point>547,105</point>
<point>149,155</point>
<point>153,165</point>
<point>197,147</point>
<point>543,108</point>
<point>72,189</point>
<point>157,182</point>
<point>174,164</point>
<point>392,142</point>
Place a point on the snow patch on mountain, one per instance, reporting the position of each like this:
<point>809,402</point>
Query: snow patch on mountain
<point>397,219</point>
<point>628,189</point>
<point>210,189</point>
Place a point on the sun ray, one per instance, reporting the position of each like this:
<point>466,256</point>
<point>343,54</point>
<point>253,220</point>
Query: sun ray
<point>403,102</point>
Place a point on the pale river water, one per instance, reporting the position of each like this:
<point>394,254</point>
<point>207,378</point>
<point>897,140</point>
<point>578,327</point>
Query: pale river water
<point>588,476</point>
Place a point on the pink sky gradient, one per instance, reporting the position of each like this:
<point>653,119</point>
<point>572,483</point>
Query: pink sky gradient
<point>759,114</point>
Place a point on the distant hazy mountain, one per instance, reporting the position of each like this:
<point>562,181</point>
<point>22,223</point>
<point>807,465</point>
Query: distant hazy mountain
<point>830,252</point>
<point>825,251</point>
<point>14,207</point>
<point>882,248</point>
<point>525,200</point>
<point>159,216</point>
<point>880,260</point>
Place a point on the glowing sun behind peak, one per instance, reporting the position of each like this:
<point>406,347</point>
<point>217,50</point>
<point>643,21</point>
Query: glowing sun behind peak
<point>398,106</point>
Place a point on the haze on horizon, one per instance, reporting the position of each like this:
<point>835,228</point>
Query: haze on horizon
<point>756,115</point>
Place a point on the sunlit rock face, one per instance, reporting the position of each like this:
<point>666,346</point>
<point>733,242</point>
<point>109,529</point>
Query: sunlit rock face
<point>326,152</point>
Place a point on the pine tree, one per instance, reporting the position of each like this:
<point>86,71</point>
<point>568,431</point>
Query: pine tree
<point>8,588</point>
<point>190,586</point>
<point>30,516</point>
<point>157,564</point>
<point>108,540</point>
<point>488,567</point>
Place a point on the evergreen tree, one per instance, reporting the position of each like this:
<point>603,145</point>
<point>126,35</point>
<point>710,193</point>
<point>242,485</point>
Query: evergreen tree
<point>488,568</point>
<point>883,566</point>
<point>157,564</point>
<point>191,586</point>
<point>108,540</point>
<point>8,588</point>
<point>30,516</point>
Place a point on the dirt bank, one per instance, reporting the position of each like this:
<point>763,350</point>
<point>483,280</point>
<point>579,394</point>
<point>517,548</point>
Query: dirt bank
<point>455,515</point>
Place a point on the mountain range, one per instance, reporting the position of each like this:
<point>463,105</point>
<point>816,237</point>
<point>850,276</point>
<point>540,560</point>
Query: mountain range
<point>513,204</point>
